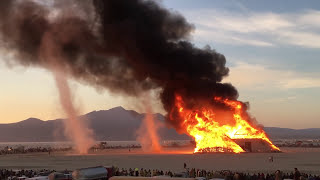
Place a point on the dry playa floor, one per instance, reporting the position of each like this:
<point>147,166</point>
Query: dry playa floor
<point>305,159</point>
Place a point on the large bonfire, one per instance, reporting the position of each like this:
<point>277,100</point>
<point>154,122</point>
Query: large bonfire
<point>212,132</point>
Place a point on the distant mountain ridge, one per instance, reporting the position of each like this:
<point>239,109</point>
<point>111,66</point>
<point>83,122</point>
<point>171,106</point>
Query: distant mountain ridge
<point>286,133</point>
<point>117,124</point>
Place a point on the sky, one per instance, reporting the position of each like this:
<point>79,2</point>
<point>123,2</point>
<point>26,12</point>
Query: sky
<point>271,47</point>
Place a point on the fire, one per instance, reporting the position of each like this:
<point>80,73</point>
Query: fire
<point>215,135</point>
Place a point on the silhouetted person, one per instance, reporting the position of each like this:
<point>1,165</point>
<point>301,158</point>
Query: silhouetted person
<point>271,159</point>
<point>296,174</point>
<point>278,175</point>
<point>184,165</point>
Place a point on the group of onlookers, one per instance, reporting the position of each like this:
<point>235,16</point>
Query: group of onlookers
<point>22,150</point>
<point>187,173</point>
<point>12,174</point>
<point>225,174</point>
<point>141,172</point>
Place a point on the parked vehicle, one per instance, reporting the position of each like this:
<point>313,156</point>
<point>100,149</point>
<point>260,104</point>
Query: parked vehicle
<point>39,178</point>
<point>91,173</point>
<point>148,178</point>
<point>59,176</point>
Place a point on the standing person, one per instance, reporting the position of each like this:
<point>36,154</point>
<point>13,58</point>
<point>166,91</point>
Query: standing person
<point>142,172</point>
<point>184,165</point>
<point>236,176</point>
<point>271,159</point>
<point>136,171</point>
<point>278,175</point>
<point>296,174</point>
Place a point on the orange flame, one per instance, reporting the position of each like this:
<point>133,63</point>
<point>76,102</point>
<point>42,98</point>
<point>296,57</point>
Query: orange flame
<point>212,135</point>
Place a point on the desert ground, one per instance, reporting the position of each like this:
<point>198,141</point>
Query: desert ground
<point>305,159</point>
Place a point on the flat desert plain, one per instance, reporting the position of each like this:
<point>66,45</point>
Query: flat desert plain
<point>305,159</point>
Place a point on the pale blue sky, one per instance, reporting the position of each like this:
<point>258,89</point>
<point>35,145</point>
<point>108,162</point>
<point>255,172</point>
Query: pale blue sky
<point>272,49</point>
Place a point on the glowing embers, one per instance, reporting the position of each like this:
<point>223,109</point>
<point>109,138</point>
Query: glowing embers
<point>214,130</point>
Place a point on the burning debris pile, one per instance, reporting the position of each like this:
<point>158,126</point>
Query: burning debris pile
<point>131,47</point>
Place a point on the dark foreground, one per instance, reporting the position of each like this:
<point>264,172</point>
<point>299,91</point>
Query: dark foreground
<point>187,173</point>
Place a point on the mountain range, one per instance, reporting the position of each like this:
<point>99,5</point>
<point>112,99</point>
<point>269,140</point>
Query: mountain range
<point>116,124</point>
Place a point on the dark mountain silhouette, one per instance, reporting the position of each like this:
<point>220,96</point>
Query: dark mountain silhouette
<point>32,130</point>
<point>115,124</point>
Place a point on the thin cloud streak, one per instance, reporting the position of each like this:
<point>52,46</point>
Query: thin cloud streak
<point>255,76</point>
<point>257,28</point>
<point>208,36</point>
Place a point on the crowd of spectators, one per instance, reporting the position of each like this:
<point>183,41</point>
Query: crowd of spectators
<point>141,172</point>
<point>225,174</point>
<point>187,173</point>
<point>14,174</point>
<point>22,150</point>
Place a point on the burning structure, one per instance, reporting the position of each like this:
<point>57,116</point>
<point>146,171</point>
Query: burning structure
<point>247,145</point>
<point>131,47</point>
<point>218,125</point>
<point>255,145</point>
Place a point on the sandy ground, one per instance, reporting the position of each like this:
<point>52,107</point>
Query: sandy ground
<point>305,159</point>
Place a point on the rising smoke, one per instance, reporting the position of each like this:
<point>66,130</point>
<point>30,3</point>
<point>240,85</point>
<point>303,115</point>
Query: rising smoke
<point>75,129</point>
<point>147,134</point>
<point>126,46</point>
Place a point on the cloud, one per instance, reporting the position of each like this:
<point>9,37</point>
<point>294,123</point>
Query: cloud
<point>256,76</point>
<point>208,36</point>
<point>310,18</point>
<point>280,99</point>
<point>304,82</point>
<point>257,28</point>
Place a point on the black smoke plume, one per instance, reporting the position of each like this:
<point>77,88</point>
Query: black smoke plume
<point>126,46</point>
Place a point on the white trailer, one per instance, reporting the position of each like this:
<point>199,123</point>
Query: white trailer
<point>91,173</point>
